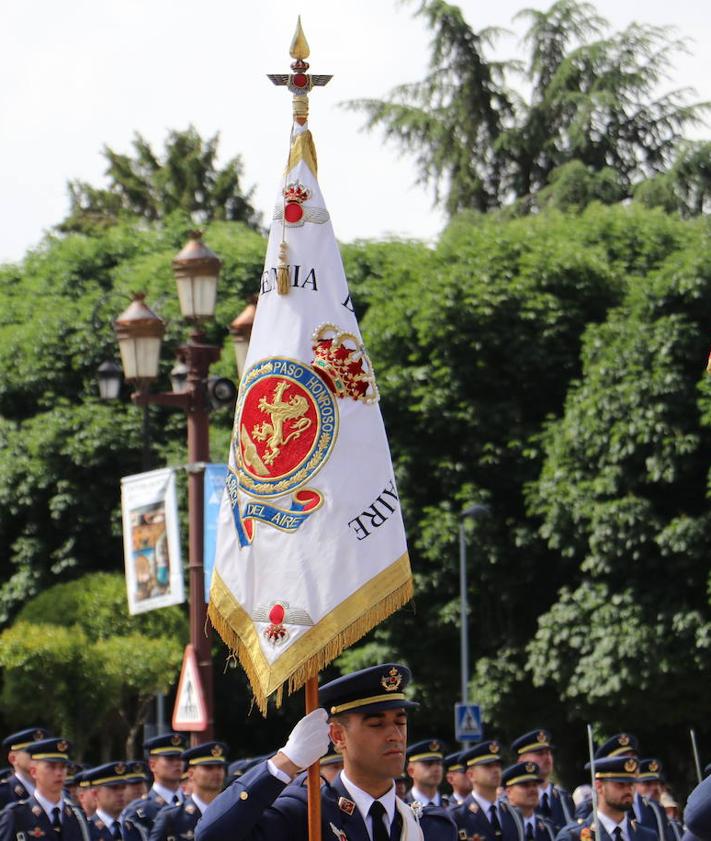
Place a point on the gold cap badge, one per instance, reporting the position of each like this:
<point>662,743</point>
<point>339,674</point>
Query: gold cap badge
<point>216,750</point>
<point>391,682</point>
<point>175,740</point>
<point>631,765</point>
<point>119,768</point>
<point>494,747</point>
<point>530,767</point>
<point>62,746</point>
<point>623,740</point>
<point>654,766</point>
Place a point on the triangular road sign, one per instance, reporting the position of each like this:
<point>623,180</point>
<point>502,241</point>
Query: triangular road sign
<point>190,712</point>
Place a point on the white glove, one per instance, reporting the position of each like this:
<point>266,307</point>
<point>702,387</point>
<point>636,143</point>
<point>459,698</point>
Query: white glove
<point>308,741</point>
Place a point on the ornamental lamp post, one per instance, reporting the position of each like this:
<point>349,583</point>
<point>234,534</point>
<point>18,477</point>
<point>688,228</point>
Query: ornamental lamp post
<point>241,332</point>
<point>196,270</point>
<point>109,376</point>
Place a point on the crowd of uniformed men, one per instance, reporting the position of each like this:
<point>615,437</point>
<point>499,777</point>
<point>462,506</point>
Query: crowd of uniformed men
<point>374,786</point>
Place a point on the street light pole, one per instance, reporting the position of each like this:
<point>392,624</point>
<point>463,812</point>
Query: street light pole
<point>472,512</point>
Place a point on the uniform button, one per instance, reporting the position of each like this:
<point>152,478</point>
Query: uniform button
<point>243,795</point>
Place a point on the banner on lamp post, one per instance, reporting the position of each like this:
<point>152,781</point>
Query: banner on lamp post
<point>151,545</point>
<point>214,488</point>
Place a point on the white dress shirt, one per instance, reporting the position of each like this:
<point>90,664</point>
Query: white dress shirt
<point>363,801</point>
<point>167,794</point>
<point>202,806</point>
<point>423,798</point>
<point>484,804</point>
<point>47,805</point>
<point>609,826</point>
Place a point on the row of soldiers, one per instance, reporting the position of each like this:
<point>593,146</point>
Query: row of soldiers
<point>359,736</point>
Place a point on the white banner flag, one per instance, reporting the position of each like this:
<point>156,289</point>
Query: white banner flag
<point>151,547</point>
<point>311,549</point>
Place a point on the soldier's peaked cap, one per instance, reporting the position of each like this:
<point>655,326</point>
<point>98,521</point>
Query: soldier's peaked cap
<point>534,740</point>
<point>50,750</point>
<point>168,744</point>
<point>621,744</point>
<point>208,753</point>
<point>20,740</point>
<point>374,689</point>
<point>616,769</point>
<point>650,771</point>
<point>430,750</point>
<point>482,753</point>
<point>521,772</point>
<point>109,774</point>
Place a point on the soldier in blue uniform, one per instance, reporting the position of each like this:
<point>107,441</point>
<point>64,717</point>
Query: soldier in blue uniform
<point>648,790</point>
<point>163,754</point>
<point>522,782</point>
<point>425,768</point>
<point>365,715</point>
<point>554,802</point>
<point>136,780</point>
<point>109,784</point>
<point>481,817</point>
<point>206,765</point>
<point>697,814</point>
<point>331,764</point>
<point>18,785</point>
<point>456,774</point>
<point>614,784</point>
<point>621,744</point>
<point>46,814</point>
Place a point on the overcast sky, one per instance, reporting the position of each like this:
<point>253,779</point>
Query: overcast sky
<point>78,74</point>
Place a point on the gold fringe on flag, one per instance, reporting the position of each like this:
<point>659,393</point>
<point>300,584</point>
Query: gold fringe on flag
<point>339,629</point>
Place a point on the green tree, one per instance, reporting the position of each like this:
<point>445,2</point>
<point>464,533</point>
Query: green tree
<point>593,102</point>
<point>185,178</point>
<point>62,451</point>
<point>76,660</point>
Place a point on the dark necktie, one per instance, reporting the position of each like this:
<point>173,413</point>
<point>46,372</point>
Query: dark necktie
<point>545,806</point>
<point>56,821</point>
<point>116,830</point>
<point>376,812</point>
<point>175,800</point>
<point>617,833</point>
<point>493,816</point>
<point>529,832</point>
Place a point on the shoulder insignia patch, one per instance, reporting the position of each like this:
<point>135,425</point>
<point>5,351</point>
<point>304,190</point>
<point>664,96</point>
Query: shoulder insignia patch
<point>100,824</point>
<point>37,811</point>
<point>68,811</point>
<point>339,833</point>
<point>37,832</point>
<point>20,791</point>
<point>633,822</point>
<point>463,835</point>
<point>190,809</point>
<point>346,805</point>
<point>474,807</point>
<point>504,807</point>
<point>141,813</point>
<point>555,792</point>
<point>159,800</point>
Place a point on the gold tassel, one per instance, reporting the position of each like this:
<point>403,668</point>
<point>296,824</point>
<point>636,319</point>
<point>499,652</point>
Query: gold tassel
<point>283,269</point>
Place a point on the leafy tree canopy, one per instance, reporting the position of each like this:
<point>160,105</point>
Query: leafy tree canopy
<point>593,111</point>
<point>186,178</point>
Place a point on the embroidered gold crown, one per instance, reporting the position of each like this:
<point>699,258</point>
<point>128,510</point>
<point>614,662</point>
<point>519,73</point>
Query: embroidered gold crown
<point>295,191</point>
<point>341,359</point>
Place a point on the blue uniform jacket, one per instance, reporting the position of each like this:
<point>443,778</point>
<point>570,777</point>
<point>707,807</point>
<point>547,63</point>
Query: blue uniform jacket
<point>543,831</point>
<point>472,823</point>
<point>176,822</point>
<point>137,818</point>
<point>259,807</point>
<point>562,808</point>
<point>26,820</point>
<point>437,822</point>
<point>12,790</point>
<point>697,815</point>
<point>98,829</point>
<point>573,830</point>
<point>651,815</point>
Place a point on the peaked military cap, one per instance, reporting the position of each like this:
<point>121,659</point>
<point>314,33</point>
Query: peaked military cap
<point>532,741</point>
<point>616,769</point>
<point>49,750</point>
<point>23,738</point>
<point>169,744</point>
<point>208,753</point>
<point>521,772</point>
<point>136,771</point>
<point>482,753</point>
<point>108,774</point>
<point>368,690</point>
<point>74,774</point>
<point>453,762</point>
<point>331,757</point>
<point>650,770</point>
<point>429,750</point>
<point>621,744</point>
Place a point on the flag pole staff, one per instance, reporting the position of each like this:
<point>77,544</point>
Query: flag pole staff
<point>591,751</point>
<point>314,778</point>
<point>695,751</point>
<point>299,83</point>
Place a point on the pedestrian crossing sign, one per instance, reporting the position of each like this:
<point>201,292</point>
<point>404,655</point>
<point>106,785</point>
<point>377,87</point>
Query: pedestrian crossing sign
<point>467,722</point>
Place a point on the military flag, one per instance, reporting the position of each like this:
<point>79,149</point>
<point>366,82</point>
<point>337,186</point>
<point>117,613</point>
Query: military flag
<point>311,549</point>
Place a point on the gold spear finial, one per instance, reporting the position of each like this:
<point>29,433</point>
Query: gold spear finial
<point>299,48</point>
<point>299,82</point>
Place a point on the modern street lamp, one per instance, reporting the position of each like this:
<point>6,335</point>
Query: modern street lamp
<point>139,332</point>
<point>473,512</point>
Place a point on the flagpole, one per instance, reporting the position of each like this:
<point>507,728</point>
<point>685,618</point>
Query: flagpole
<point>314,778</point>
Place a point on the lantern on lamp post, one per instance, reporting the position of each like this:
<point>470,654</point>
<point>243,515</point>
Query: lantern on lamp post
<point>241,332</point>
<point>139,332</point>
